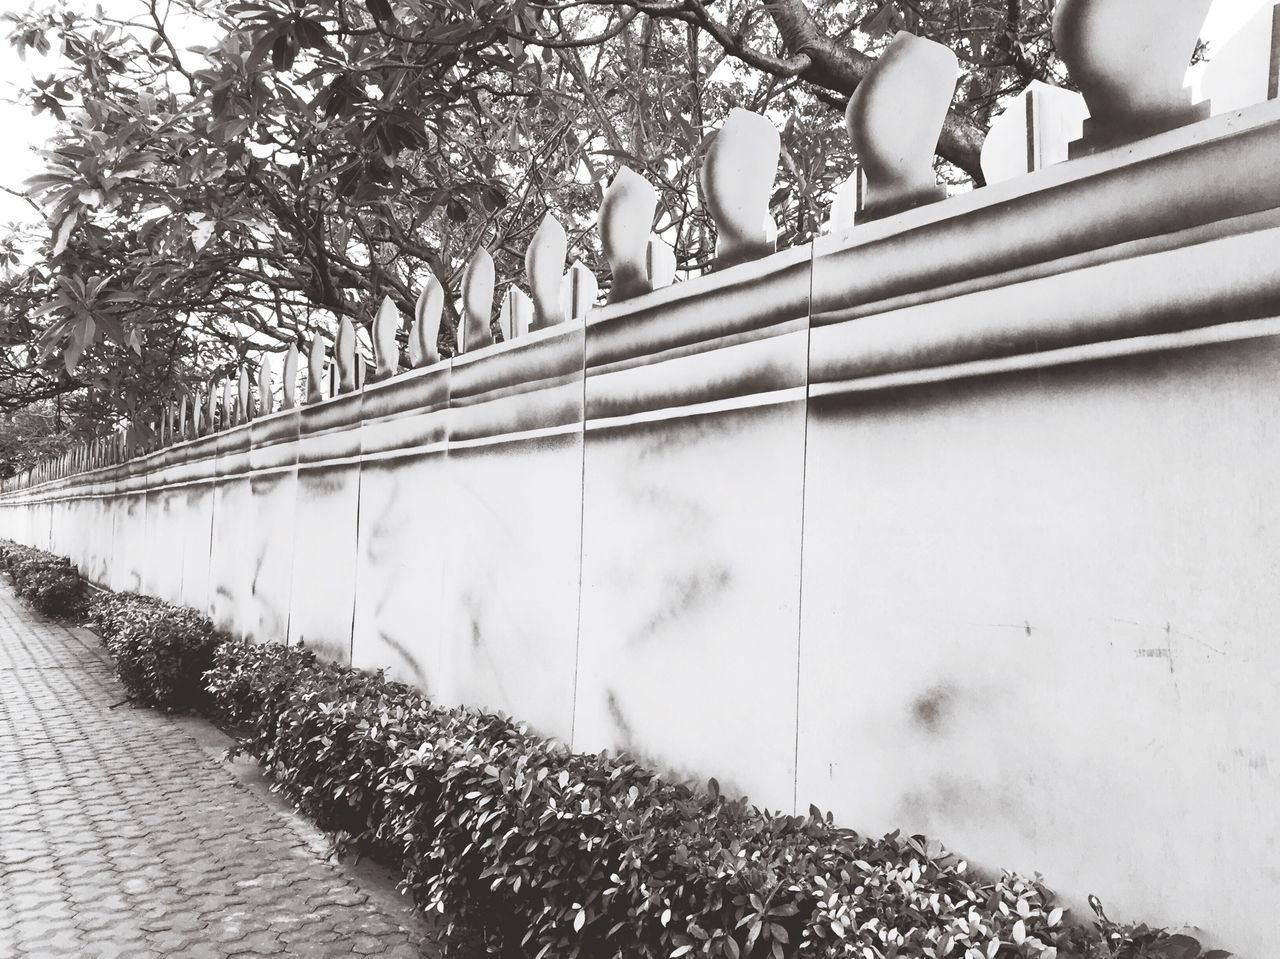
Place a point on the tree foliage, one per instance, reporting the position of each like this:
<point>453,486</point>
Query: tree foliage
<point>204,205</point>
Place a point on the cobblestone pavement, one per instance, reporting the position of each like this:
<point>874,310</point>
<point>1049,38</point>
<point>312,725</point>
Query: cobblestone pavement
<point>122,833</point>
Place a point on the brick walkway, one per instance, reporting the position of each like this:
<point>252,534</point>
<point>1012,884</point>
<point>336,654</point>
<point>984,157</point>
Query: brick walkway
<point>123,834</point>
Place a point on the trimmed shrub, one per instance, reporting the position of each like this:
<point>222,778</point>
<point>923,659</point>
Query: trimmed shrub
<point>49,583</point>
<point>160,651</point>
<point>531,850</point>
<point>109,613</point>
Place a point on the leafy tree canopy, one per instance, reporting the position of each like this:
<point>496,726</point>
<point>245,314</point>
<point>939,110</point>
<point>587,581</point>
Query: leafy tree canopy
<point>203,205</point>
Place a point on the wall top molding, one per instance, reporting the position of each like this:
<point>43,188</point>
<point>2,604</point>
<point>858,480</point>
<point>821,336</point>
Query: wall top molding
<point>1188,185</point>
<point>1222,127</point>
<point>1209,179</point>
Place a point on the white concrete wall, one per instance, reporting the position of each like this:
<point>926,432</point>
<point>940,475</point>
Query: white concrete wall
<point>965,522</point>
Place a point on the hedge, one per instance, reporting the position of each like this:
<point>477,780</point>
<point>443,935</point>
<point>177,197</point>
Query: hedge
<point>49,583</point>
<point>526,849</point>
<point>160,651</point>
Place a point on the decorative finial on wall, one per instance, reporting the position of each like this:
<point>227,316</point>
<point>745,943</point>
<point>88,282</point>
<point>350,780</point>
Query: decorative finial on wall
<point>244,398</point>
<point>895,117</point>
<point>386,352</point>
<point>211,409</point>
<point>578,289</point>
<point>1129,58</point>
<point>315,369</point>
<point>661,261</point>
<point>228,404</point>
<point>266,386</point>
<point>1032,132</point>
<point>516,314</point>
<point>1246,69</point>
<point>425,333</point>
<point>197,414</point>
<point>289,388</point>
<point>737,181</point>
<point>626,217</point>
<point>844,205</point>
<point>477,302</point>
<point>544,263</point>
<point>344,351</point>
<point>181,431</point>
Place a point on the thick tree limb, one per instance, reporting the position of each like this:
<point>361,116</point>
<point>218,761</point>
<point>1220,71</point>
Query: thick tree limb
<point>815,58</point>
<point>841,68</point>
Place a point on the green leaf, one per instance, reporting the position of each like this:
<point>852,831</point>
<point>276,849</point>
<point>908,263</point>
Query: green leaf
<point>1178,947</point>
<point>63,233</point>
<point>71,356</point>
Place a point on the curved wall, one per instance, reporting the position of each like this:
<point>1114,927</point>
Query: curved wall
<point>965,521</point>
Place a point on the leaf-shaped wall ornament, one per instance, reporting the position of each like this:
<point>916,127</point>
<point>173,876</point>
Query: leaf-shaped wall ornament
<point>517,313</point>
<point>244,397</point>
<point>345,353</point>
<point>737,180</point>
<point>266,386</point>
<point>1242,70</point>
<point>386,352</point>
<point>1129,59</point>
<point>1035,130</point>
<point>412,348</point>
<point>315,370</point>
<point>477,302</point>
<point>228,404</point>
<point>544,265</point>
<point>197,414</point>
<point>661,261</point>
<point>211,409</point>
<point>844,204</point>
<point>425,334</point>
<point>578,291</point>
<point>626,219</point>
<point>289,387</point>
<point>894,118</point>
<point>182,418</point>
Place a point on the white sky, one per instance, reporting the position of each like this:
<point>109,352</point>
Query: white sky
<point>23,133</point>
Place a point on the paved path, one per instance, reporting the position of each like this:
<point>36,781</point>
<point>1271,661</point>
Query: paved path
<point>123,834</point>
